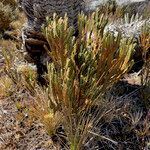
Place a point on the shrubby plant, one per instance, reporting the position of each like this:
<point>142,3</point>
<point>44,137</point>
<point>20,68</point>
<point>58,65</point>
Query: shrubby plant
<point>82,70</point>
<point>11,3</point>
<point>7,14</point>
<point>145,48</point>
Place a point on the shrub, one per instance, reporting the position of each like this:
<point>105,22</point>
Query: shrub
<point>81,72</point>
<point>6,16</point>
<point>11,3</point>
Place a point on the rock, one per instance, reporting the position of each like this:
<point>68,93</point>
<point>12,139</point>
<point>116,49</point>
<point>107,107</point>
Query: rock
<point>133,6</point>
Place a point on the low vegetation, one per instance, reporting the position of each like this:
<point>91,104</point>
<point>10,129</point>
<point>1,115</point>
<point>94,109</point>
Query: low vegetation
<point>12,3</point>
<point>80,108</point>
<point>145,44</point>
<point>8,14</point>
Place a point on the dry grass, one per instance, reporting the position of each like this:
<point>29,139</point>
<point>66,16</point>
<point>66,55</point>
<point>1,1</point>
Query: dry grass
<point>6,16</point>
<point>18,23</point>
<point>5,86</point>
<point>145,44</point>
<point>12,3</point>
<point>9,14</point>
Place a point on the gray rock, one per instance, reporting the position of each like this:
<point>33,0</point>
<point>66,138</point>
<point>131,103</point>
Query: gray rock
<point>138,6</point>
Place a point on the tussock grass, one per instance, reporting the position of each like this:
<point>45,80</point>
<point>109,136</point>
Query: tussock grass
<point>8,13</point>
<point>6,16</point>
<point>5,86</point>
<point>11,3</point>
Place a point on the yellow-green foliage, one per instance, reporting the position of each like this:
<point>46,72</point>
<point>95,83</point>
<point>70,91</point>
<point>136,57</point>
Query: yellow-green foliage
<point>6,16</point>
<point>84,66</point>
<point>83,69</point>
